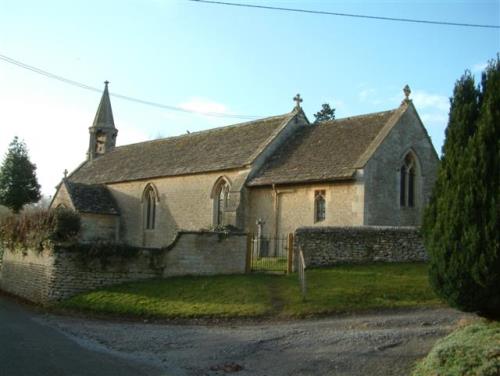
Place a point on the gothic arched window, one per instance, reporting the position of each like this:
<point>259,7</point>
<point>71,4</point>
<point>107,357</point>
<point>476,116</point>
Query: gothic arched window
<point>149,208</point>
<point>220,201</point>
<point>319,206</point>
<point>408,182</point>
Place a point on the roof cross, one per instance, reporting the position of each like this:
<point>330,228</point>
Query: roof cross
<point>407,92</point>
<point>298,100</point>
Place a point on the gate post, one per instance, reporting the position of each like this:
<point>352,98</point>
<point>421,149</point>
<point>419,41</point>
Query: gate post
<point>290,253</point>
<point>248,265</point>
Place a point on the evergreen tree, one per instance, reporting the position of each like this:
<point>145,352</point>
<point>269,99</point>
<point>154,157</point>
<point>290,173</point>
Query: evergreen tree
<point>326,113</point>
<point>18,182</point>
<point>461,226</point>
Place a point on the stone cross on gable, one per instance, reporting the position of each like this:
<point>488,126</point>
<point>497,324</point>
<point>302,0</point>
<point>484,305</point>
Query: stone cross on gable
<point>407,92</point>
<point>298,100</point>
<point>65,173</point>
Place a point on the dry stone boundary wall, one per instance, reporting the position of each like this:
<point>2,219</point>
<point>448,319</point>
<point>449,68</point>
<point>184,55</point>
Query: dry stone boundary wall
<point>325,246</point>
<point>56,274</point>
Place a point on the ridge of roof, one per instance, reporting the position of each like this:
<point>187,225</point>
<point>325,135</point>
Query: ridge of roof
<point>355,117</point>
<point>206,131</point>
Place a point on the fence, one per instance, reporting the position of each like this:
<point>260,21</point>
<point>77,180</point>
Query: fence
<point>270,253</point>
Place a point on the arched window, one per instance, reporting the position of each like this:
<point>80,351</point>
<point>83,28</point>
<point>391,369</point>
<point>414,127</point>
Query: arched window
<point>220,197</point>
<point>149,208</point>
<point>408,182</point>
<point>319,206</point>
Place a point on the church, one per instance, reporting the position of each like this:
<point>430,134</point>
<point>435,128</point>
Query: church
<point>271,176</point>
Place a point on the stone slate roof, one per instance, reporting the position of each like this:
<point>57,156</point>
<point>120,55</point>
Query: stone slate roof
<point>327,151</point>
<point>222,148</point>
<point>89,198</point>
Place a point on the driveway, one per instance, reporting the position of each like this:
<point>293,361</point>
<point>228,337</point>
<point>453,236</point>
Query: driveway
<point>369,344</point>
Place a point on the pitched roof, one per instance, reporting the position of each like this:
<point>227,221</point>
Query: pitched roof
<point>222,148</point>
<point>328,151</point>
<point>88,198</point>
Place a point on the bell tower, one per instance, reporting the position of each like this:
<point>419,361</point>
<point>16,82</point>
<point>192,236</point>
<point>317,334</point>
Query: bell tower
<point>102,132</point>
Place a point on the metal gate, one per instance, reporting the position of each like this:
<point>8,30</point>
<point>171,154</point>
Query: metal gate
<point>270,253</point>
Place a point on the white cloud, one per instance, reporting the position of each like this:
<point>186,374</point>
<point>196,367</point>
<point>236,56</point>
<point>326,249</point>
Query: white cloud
<point>202,106</point>
<point>479,67</point>
<point>425,100</point>
<point>366,94</point>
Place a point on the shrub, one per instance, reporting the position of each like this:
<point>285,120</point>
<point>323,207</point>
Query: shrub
<point>36,228</point>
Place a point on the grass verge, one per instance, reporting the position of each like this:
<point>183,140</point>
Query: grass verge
<point>473,351</point>
<point>336,289</point>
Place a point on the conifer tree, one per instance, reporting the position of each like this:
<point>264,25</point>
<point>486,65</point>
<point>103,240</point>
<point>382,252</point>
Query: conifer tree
<point>326,113</point>
<point>461,226</point>
<point>18,182</point>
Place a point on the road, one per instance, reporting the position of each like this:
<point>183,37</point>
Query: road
<point>29,347</point>
<point>384,343</point>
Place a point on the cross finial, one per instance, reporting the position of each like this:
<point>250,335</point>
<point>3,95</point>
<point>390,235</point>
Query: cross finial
<point>407,92</point>
<point>65,172</point>
<point>106,82</point>
<point>298,100</point>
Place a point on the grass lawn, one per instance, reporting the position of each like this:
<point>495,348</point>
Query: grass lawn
<point>336,289</point>
<point>472,350</point>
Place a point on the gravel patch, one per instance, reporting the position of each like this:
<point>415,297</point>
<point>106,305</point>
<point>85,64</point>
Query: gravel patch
<point>385,343</point>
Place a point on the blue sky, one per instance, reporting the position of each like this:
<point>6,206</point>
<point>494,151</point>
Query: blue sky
<point>225,59</point>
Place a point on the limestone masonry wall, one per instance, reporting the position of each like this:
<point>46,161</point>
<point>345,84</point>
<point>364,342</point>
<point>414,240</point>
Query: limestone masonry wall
<point>336,245</point>
<point>53,275</point>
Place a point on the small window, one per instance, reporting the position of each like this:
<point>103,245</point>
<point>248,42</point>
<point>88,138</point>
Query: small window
<point>319,206</point>
<point>150,208</point>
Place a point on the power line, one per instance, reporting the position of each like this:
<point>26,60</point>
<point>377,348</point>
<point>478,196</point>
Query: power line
<point>125,97</point>
<point>327,13</point>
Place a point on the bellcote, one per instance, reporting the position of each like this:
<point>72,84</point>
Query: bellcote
<point>102,132</point>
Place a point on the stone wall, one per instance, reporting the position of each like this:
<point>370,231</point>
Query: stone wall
<point>57,274</point>
<point>205,253</point>
<point>287,208</point>
<point>337,245</point>
<point>184,203</point>
<point>382,174</point>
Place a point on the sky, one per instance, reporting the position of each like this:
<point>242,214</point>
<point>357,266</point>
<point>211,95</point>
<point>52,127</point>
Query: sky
<point>224,59</point>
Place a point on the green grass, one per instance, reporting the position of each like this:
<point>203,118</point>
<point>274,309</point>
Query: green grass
<point>270,264</point>
<point>473,351</point>
<point>337,289</point>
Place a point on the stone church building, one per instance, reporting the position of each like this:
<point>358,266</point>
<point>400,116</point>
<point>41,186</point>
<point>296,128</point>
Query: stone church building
<point>277,173</point>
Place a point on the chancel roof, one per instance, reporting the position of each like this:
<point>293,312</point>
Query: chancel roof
<point>327,151</point>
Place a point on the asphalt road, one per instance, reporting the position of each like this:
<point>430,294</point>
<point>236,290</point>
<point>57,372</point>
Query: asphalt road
<point>28,347</point>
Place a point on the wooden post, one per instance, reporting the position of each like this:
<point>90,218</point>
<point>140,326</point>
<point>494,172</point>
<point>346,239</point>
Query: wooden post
<point>290,253</point>
<point>248,266</point>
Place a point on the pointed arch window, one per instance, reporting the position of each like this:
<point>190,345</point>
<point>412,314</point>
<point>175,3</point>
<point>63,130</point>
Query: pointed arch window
<point>407,182</point>
<point>149,208</point>
<point>319,206</point>
<point>220,197</point>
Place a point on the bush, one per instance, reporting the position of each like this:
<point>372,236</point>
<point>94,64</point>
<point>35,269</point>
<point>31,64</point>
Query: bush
<point>472,350</point>
<point>36,228</point>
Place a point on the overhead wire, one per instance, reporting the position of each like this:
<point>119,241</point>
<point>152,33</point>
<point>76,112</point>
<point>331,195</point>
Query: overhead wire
<point>121,96</point>
<point>340,14</point>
